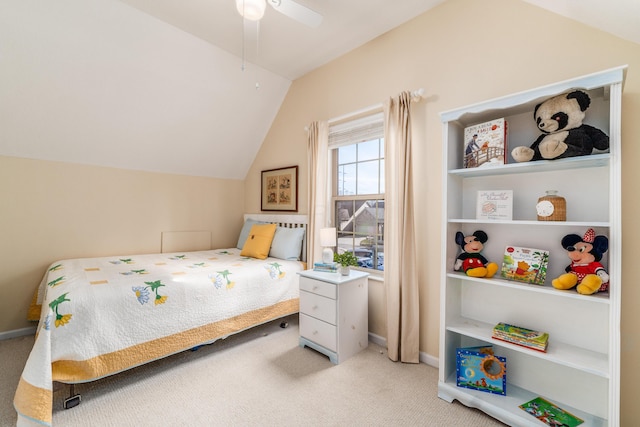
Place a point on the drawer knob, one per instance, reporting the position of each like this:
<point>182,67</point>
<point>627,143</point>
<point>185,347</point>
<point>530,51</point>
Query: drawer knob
<point>315,307</point>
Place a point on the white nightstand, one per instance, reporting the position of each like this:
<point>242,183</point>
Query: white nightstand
<point>334,315</point>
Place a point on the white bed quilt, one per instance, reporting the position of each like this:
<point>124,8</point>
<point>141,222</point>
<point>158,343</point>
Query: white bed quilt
<point>104,315</point>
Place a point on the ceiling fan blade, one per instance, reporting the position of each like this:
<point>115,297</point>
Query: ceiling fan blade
<point>297,11</point>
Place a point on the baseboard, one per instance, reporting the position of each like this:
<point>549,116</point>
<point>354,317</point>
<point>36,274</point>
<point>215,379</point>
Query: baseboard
<point>377,339</point>
<point>429,360</point>
<point>424,357</point>
<point>17,333</point>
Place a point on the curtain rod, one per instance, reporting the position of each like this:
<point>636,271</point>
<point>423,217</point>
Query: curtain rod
<point>416,95</point>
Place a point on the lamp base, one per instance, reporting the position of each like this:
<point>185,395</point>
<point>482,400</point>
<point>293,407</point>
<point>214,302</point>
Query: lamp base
<point>327,255</point>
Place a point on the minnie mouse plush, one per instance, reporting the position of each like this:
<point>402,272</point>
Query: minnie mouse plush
<point>470,260</point>
<point>585,269</point>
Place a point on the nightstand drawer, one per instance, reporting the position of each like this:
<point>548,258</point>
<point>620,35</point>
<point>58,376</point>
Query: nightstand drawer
<point>319,332</point>
<point>318,306</point>
<point>318,287</point>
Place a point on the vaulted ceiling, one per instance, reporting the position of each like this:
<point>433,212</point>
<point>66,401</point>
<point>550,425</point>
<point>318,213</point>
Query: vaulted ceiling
<point>158,85</point>
<point>291,49</point>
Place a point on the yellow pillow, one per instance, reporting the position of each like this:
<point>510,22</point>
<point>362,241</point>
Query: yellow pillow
<point>259,240</point>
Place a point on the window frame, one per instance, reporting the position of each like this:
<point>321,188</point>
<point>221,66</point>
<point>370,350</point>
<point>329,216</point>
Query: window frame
<point>378,198</point>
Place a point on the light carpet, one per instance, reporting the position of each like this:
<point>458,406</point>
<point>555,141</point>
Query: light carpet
<point>260,377</point>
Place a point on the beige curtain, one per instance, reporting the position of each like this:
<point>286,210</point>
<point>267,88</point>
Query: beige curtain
<point>317,187</point>
<point>400,276</point>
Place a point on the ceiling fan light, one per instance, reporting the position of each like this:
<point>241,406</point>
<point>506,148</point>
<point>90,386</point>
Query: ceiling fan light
<point>252,10</point>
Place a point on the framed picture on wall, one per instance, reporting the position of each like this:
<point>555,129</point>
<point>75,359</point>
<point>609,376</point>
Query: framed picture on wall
<point>280,189</point>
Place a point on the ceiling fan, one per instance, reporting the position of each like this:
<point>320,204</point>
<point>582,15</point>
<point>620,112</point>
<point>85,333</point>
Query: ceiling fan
<point>254,10</point>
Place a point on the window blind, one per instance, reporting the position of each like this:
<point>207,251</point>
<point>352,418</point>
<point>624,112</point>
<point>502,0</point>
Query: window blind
<point>358,130</point>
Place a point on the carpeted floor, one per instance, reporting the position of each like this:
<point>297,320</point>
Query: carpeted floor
<point>258,378</point>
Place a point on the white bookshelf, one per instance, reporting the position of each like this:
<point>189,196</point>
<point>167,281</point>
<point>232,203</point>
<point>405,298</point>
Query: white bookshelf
<point>580,369</point>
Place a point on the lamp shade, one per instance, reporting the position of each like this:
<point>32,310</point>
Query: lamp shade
<point>327,237</point>
<point>252,10</point>
<point>327,241</point>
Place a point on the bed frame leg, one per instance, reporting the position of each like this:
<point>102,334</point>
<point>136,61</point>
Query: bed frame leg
<point>284,324</point>
<point>73,400</point>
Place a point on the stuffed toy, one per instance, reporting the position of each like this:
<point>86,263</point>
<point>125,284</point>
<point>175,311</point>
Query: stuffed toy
<point>470,260</point>
<point>563,133</point>
<point>585,269</point>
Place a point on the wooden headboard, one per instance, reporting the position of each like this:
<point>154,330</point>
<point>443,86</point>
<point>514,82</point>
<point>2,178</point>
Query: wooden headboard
<point>286,220</point>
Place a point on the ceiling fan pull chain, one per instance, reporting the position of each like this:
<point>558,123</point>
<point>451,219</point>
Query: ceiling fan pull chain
<point>257,53</point>
<point>244,22</point>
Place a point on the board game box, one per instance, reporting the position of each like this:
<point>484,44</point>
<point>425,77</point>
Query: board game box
<point>478,368</point>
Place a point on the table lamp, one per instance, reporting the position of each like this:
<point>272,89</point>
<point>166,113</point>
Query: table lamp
<point>327,241</point>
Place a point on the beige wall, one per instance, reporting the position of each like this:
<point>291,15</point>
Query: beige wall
<point>463,52</point>
<point>52,211</point>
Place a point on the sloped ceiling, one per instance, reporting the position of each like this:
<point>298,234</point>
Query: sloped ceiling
<point>158,85</point>
<point>291,49</point>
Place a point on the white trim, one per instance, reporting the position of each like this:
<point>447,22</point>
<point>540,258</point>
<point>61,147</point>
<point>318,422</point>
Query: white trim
<point>377,339</point>
<point>423,358</point>
<point>17,333</point>
<point>429,360</point>
<point>284,218</point>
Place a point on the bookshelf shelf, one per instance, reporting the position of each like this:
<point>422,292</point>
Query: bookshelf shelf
<point>580,369</point>
<point>506,408</point>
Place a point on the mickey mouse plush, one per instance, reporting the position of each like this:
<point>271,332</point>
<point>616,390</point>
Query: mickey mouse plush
<point>585,269</point>
<point>470,260</point>
<point>563,133</point>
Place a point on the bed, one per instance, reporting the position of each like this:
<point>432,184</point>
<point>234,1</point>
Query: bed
<point>101,316</point>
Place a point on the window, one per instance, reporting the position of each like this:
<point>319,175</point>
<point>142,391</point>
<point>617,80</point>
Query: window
<point>357,153</point>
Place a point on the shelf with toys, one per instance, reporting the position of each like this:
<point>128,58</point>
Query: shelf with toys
<point>560,352</point>
<point>595,160</point>
<point>573,224</point>
<point>493,270</point>
<point>550,291</point>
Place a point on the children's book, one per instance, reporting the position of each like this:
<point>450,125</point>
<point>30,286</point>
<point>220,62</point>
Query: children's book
<point>525,264</point>
<point>485,144</point>
<point>495,205</point>
<point>550,414</point>
<point>478,368</point>
<point>521,336</point>
<point>331,267</point>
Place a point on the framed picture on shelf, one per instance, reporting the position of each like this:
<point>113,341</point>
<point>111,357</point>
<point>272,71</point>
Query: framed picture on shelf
<point>495,205</point>
<point>279,189</point>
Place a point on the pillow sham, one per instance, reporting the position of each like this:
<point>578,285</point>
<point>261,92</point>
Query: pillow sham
<point>246,228</point>
<point>259,241</point>
<point>287,243</point>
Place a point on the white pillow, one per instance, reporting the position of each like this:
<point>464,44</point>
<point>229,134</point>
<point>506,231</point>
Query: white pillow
<point>287,243</point>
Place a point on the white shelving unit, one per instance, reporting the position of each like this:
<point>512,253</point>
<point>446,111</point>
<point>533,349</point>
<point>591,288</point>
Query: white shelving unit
<point>580,370</point>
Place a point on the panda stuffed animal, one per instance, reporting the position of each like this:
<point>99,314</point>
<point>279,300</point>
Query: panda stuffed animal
<point>563,133</point>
